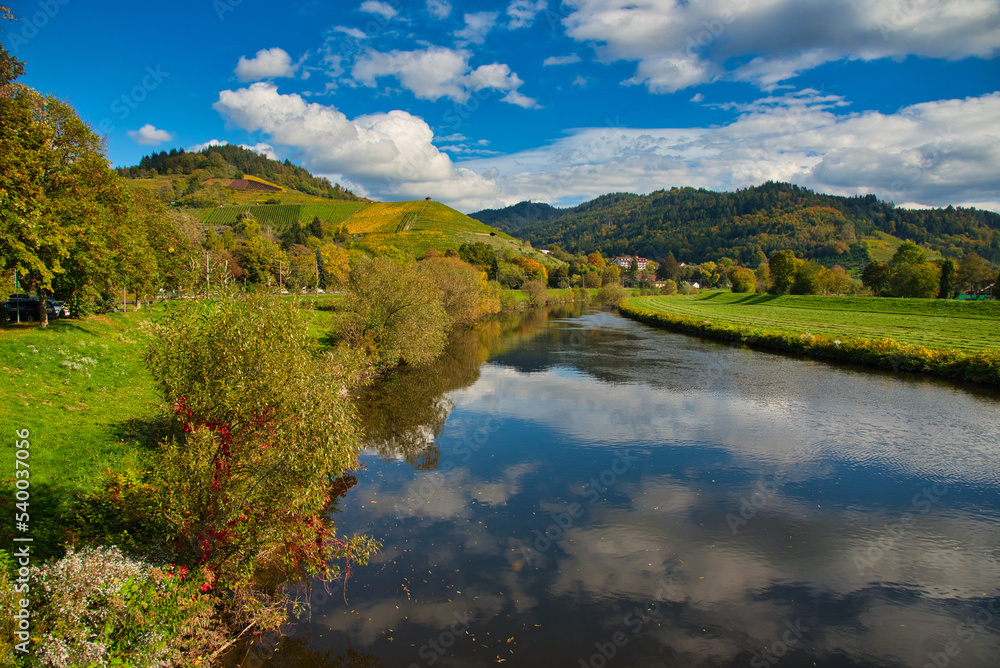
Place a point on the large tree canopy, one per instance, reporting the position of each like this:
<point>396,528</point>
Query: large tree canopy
<point>67,221</point>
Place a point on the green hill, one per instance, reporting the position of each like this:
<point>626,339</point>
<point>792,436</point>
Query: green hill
<point>195,172</point>
<point>698,225</point>
<point>197,183</point>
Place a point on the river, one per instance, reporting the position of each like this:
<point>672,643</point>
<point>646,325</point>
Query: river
<point>572,488</point>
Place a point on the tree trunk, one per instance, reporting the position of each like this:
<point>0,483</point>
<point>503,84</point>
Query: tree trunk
<point>43,314</point>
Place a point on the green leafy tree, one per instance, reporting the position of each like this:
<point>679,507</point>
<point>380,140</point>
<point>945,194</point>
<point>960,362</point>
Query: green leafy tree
<point>916,281</point>
<point>259,258</point>
<point>510,275</point>
<point>763,274</point>
<point>612,294</point>
<point>876,277</point>
<point>396,313</point>
<point>67,221</point>
<point>908,253</point>
<point>559,277</point>
<point>466,294</point>
<point>479,253</point>
<point>612,274</point>
<point>668,269</point>
<point>742,279</point>
<point>296,233</point>
<point>316,227</point>
<point>807,279</point>
<point>782,267</point>
<point>973,272</point>
<point>264,428</point>
<point>946,286</point>
<point>631,273</point>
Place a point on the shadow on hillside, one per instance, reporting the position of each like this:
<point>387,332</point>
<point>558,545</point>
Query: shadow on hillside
<point>756,299</point>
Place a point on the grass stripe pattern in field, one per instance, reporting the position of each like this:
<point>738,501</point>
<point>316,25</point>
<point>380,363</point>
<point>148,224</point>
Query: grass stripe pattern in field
<point>937,324</point>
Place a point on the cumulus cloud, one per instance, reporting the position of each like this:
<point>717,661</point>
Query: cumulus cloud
<point>383,9</point>
<point>437,72</point>
<point>680,44</point>
<point>931,154</point>
<point>440,9</point>
<point>149,135</point>
<point>477,26</point>
<point>267,64</point>
<point>522,13</point>
<point>561,60</point>
<point>387,154</point>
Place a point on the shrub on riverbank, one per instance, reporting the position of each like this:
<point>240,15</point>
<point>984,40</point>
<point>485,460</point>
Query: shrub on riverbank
<point>226,509</point>
<point>982,367</point>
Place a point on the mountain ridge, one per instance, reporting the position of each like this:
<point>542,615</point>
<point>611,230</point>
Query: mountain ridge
<point>697,225</point>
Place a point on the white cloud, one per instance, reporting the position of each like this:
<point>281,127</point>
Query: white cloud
<point>148,135</point>
<point>267,64</point>
<point>440,9</point>
<point>522,13</point>
<point>386,155</point>
<point>522,101</point>
<point>477,26</point>
<point>430,73</point>
<point>383,9</point>
<point>677,44</point>
<point>437,72</point>
<point>697,97</point>
<point>932,154</point>
<point>496,76</point>
<point>580,81</point>
<point>561,60</point>
<point>351,32</point>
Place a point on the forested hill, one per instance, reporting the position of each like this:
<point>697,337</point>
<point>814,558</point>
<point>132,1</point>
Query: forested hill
<point>515,217</point>
<point>231,161</point>
<point>698,225</point>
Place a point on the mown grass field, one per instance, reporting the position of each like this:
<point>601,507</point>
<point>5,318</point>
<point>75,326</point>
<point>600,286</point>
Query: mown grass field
<point>938,324</point>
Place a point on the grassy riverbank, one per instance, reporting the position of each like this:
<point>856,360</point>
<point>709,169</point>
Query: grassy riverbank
<point>944,338</point>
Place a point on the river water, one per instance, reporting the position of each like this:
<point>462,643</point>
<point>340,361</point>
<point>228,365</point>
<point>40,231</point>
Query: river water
<point>571,488</point>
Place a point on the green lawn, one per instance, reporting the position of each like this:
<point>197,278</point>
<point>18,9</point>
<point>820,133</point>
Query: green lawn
<point>938,324</point>
<point>82,390</point>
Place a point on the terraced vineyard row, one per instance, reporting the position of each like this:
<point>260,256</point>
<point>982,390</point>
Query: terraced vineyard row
<point>969,327</point>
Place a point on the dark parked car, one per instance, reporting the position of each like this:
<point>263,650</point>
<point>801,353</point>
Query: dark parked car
<point>21,310</point>
<point>25,309</point>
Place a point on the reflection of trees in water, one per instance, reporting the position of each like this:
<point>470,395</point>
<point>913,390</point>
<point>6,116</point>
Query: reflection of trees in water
<point>405,411</point>
<point>298,653</point>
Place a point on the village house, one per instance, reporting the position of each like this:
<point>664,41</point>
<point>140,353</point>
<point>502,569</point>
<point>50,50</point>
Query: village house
<point>625,262</point>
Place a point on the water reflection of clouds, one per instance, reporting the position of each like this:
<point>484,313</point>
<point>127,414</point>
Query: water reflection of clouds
<point>908,432</point>
<point>741,583</point>
<point>815,429</point>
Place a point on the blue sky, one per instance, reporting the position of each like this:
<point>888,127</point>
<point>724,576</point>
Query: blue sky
<point>483,104</point>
